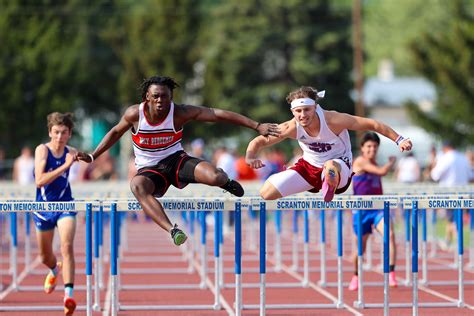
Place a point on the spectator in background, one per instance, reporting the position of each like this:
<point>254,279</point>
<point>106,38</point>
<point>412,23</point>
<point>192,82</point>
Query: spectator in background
<point>244,171</point>
<point>408,169</point>
<point>23,167</point>
<point>225,160</point>
<point>451,169</point>
<point>197,149</point>
<point>470,159</point>
<point>103,168</point>
<point>430,165</point>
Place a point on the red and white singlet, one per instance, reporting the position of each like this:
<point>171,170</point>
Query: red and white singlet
<point>326,146</point>
<point>154,142</point>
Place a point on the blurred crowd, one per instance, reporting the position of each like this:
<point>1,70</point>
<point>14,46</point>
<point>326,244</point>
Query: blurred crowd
<point>408,168</point>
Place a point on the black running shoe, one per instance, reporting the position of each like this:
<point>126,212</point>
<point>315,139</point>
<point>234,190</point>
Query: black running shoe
<point>233,187</point>
<point>179,237</point>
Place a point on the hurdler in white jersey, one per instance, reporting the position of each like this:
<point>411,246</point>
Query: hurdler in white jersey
<point>157,129</point>
<point>323,136</point>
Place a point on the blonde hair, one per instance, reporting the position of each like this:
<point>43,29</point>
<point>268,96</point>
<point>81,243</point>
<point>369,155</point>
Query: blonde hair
<point>57,118</point>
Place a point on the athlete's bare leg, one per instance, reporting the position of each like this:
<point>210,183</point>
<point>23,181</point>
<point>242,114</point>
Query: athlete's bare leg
<point>45,244</point>
<point>67,230</point>
<point>143,188</point>
<point>269,192</point>
<point>206,173</point>
<point>393,246</point>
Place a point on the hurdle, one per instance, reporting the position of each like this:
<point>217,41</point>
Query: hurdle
<point>14,207</point>
<point>183,204</point>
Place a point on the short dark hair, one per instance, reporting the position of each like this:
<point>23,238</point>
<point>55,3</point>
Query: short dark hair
<point>370,136</point>
<point>158,80</point>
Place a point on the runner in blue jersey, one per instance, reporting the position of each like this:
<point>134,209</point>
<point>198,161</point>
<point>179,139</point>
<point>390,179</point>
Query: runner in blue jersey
<point>52,163</point>
<point>367,180</point>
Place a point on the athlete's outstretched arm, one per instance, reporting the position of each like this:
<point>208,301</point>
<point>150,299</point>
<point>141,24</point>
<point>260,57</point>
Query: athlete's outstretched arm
<point>288,130</point>
<point>200,113</point>
<point>357,123</point>
<point>125,123</point>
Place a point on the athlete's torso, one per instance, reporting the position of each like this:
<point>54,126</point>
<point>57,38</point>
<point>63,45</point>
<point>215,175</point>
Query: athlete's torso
<point>59,189</point>
<point>367,184</point>
<point>326,145</point>
<point>154,142</point>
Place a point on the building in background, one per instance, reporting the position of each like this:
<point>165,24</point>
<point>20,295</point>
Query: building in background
<point>384,98</point>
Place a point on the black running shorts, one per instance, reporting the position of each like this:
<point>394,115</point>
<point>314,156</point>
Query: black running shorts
<point>176,169</point>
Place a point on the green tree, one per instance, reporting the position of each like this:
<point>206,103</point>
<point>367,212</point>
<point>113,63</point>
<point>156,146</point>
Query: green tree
<point>260,50</point>
<point>390,26</point>
<point>446,59</point>
<point>52,60</point>
<point>154,38</point>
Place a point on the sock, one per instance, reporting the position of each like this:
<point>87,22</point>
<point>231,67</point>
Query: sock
<point>391,268</point>
<point>68,289</point>
<point>54,271</point>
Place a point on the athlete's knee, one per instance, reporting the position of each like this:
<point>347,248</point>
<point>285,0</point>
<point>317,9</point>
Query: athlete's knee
<point>332,164</point>
<point>219,177</point>
<point>138,187</point>
<point>267,194</point>
<point>67,249</point>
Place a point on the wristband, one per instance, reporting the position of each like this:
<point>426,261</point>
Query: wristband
<point>399,139</point>
<point>92,157</point>
<point>256,128</point>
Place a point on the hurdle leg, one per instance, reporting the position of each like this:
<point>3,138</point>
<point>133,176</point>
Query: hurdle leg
<point>278,240</point>
<point>27,241</point>
<point>113,260</point>
<point>360,293</point>
<point>96,306</point>
<point>322,280</point>
<point>252,233</point>
<point>471,239</point>
<point>238,259</point>
<point>368,255</point>
<point>407,248</point>
<point>217,304</point>
<point>14,250</point>
<point>221,248</point>
<point>89,259</point>
<point>434,238</point>
<point>192,243</point>
<point>414,256</point>
<point>295,241</point>
<point>101,246</point>
<point>424,250</point>
<point>306,251</point>
<point>263,242</point>
<point>340,276</point>
<point>202,285</point>
<point>386,256</point>
<point>460,259</point>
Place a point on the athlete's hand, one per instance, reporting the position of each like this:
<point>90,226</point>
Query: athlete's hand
<point>82,156</point>
<point>69,159</point>
<point>268,129</point>
<point>254,163</point>
<point>405,145</point>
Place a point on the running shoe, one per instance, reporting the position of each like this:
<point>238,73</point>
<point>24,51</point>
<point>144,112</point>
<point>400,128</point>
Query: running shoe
<point>329,185</point>
<point>354,285</point>
<point>69,306</point>
<point>179,237</point>
<point>392,280</point>
<point>233,187</point>
<point>51,280</point>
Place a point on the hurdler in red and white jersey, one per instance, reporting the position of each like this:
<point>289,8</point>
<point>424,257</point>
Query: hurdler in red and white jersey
<point>154,142</point>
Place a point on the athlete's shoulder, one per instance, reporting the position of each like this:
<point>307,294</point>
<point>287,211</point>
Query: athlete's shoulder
<point>41,149</point>
<point>132,113</point>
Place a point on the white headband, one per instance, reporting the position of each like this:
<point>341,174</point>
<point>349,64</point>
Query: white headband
<point>306,101</point>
